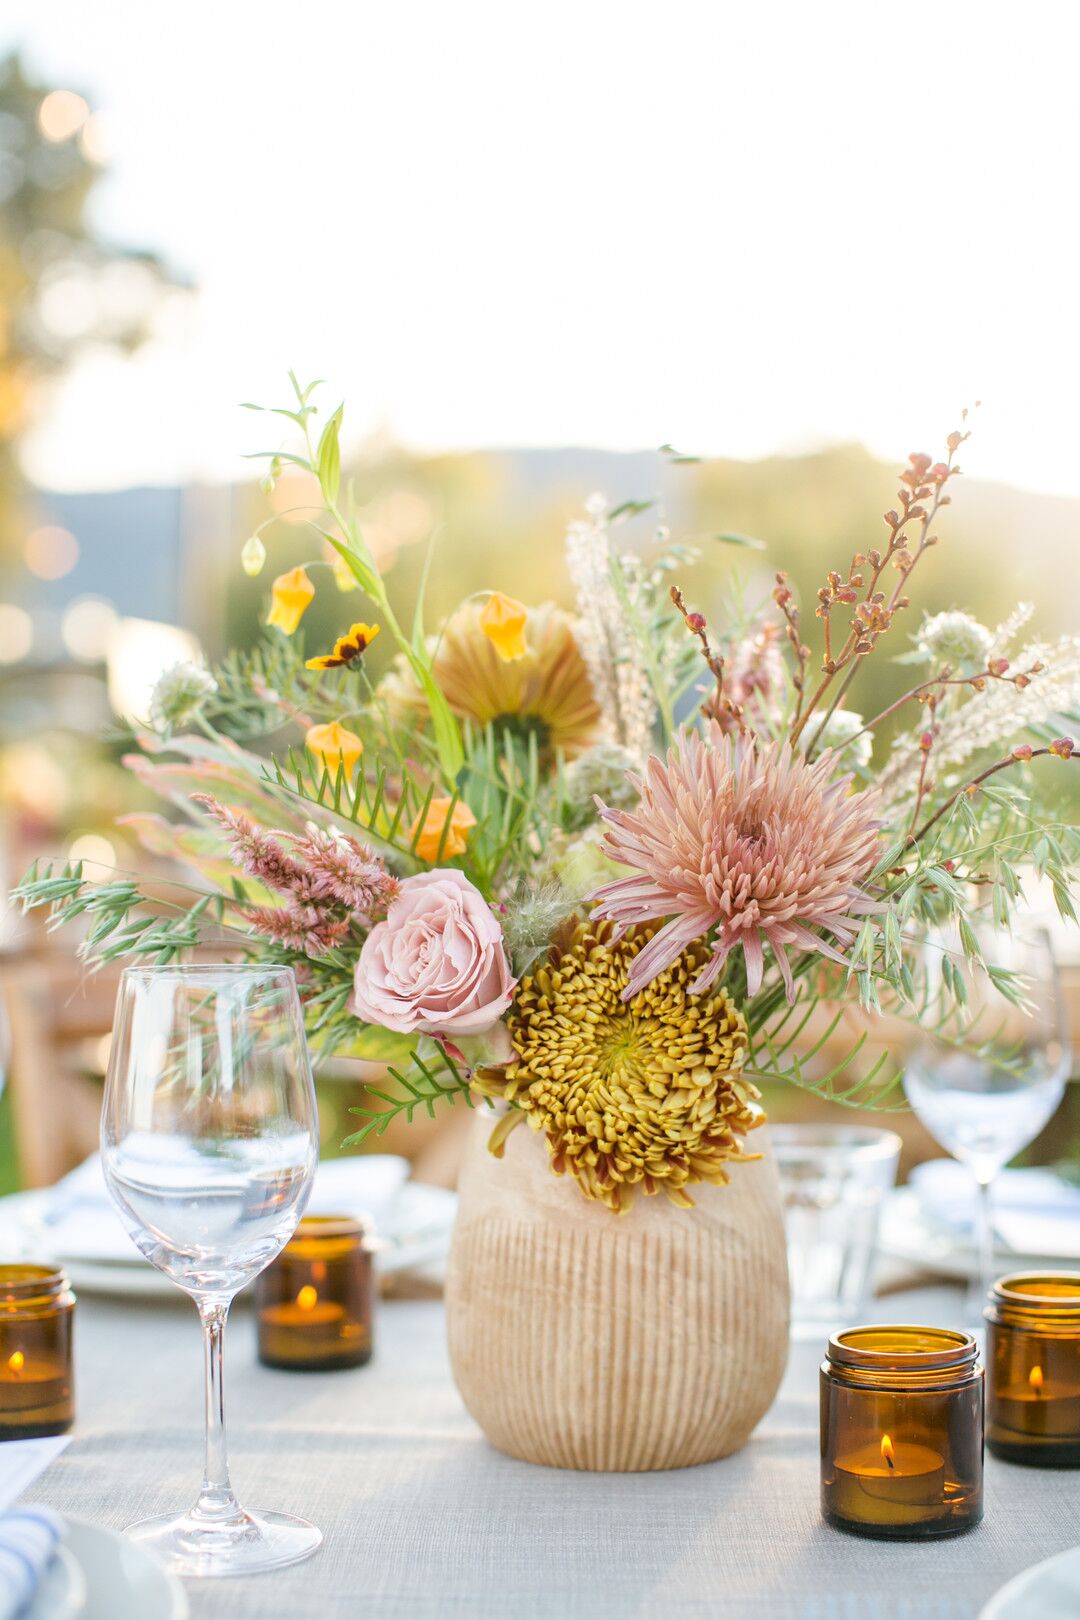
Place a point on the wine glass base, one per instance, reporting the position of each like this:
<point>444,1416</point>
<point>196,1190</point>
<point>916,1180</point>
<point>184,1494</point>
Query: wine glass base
<point>198,1548</point>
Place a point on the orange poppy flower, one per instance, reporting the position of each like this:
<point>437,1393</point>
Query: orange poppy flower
<point>335,745</point>
<point>429,837</point>
<point>289,597</point>
<point>503,622</point>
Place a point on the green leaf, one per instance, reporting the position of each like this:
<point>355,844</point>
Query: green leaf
<point>328,457</point>
<point>730,538</point>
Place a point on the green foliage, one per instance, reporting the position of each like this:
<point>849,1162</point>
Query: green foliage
<point>423,1088</point>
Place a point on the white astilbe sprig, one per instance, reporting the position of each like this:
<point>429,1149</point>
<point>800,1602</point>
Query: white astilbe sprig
<point>994,718</point>
<point>1008,629</point>
<point>608,644</point>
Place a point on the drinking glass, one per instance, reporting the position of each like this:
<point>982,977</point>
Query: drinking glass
<point>833,1180</point>
<point>985,1077</point>
<point>209,1143</point>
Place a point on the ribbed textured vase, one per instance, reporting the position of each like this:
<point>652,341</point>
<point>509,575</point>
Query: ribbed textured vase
<point>583,1339</point>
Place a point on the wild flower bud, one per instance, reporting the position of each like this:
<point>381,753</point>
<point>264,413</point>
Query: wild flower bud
<point>954,441</point>
<point>695,622</point>
<point>1036,668</point>
<point>824,594</point>
<point>875,557</point>
<point>926,741</point>
<point>1021,681</point>
<point>979,683</point>
<point>252,556</point>
<point>847,593</point>
<point>1022,751</point>
<point>919,462</point>
<point>998,666</point>
<point>916,512</point>
<point>1062,747</point>
<point>892,519</point>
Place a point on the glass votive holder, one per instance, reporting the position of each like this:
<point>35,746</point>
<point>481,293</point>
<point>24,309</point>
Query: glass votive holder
<point>1033,1368</point>
<point>902,1432</point>
<point>315,1302</point>
<point>834,1180</point>
<point>37,1310</point>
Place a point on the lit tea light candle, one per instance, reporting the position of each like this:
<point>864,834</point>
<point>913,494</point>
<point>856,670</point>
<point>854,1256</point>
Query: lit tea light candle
<point>901,1432</point>
<point>36,1312</point>
<point>905,1481</point>
<point>1033,1354</point>
<point>315,1301</point>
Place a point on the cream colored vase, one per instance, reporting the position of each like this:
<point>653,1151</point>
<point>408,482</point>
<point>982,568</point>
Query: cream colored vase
<point>582,1339</point>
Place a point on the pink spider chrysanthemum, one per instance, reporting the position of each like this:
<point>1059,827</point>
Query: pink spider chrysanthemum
<point>746,843</point>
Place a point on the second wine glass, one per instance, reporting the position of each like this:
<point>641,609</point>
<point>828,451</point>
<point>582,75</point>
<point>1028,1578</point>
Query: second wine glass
<point>209,1142</point>
<point>987,1075</point>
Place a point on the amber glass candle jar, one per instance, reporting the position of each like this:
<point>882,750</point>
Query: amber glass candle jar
<point>902,1432</point>
<point>1033,1368</point>
<point>315,1303</point>
<point>36,1387</point>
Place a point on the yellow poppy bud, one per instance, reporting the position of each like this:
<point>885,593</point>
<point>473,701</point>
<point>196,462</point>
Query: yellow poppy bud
<point>429,837</point>
<point>503,622</point>
<point>335,745</point>
<point>289,597</point>
<point>253,556</point>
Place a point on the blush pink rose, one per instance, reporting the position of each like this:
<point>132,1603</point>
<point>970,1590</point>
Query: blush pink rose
<point>437,965</point>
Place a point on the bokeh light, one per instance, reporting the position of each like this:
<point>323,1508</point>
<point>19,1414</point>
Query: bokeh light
<point>51,552</point>
<point>139,652</point>
<point>16,633</point>
<point>62,114</point>
<point>89,624</point>
<point>97,855</point>
<point>95,141</point>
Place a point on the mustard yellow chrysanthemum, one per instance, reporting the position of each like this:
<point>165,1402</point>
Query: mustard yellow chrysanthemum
<point>348,649</point>
<point>430,844</point>
<point>335,745</point>
<point>503,622</point>
<point>642,1094</point>
<point>289,598</point>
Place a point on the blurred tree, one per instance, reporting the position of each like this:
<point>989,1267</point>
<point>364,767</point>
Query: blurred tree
<point>62,286</point>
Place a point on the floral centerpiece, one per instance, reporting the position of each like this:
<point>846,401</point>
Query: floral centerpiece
<point>597,868</point>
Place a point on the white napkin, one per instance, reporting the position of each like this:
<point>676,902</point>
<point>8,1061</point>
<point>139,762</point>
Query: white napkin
<point>1035,1211</point>
<point>28,1540</point>
<point>79,1220</point>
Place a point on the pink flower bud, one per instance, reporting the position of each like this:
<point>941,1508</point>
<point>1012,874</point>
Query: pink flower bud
<point>1022,751</point>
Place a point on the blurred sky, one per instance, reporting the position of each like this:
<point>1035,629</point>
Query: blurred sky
<point>737,228</point>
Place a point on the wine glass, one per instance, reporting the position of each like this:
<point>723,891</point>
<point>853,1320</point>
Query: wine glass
<point>985,1077</point>
<point>209,1143</point>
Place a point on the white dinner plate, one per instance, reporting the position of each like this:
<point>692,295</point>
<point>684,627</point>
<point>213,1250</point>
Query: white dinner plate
<point>907,1233</point>
<point>1047,1591</point>
<point>110,1577</point>
<point>415,1233</point>
<point>62,1592</point>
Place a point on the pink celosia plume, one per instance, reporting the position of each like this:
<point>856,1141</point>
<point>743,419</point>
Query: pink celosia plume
<point>748,843</point>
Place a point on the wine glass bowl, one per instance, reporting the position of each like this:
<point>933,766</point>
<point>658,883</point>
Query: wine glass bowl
<point>209,1142</point>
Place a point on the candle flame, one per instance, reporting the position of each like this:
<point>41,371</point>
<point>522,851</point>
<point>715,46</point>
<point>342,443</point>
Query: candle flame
<point>307,1298</point>
<point>17,1361</point>
<point>887,1451</point>
<point>1035,1379</point>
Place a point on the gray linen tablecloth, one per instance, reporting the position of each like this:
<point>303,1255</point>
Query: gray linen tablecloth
<point>423,1519</point>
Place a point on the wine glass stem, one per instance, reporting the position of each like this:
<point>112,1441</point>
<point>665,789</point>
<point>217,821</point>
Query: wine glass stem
<point>984,1247</point>
<point>216,1499</point>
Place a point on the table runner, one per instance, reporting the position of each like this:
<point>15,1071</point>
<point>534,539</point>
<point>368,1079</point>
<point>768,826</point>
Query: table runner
<point>424,1521</point>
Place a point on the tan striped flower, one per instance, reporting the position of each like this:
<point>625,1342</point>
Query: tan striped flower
<point>646,1093</point>
<point>546,692</point>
